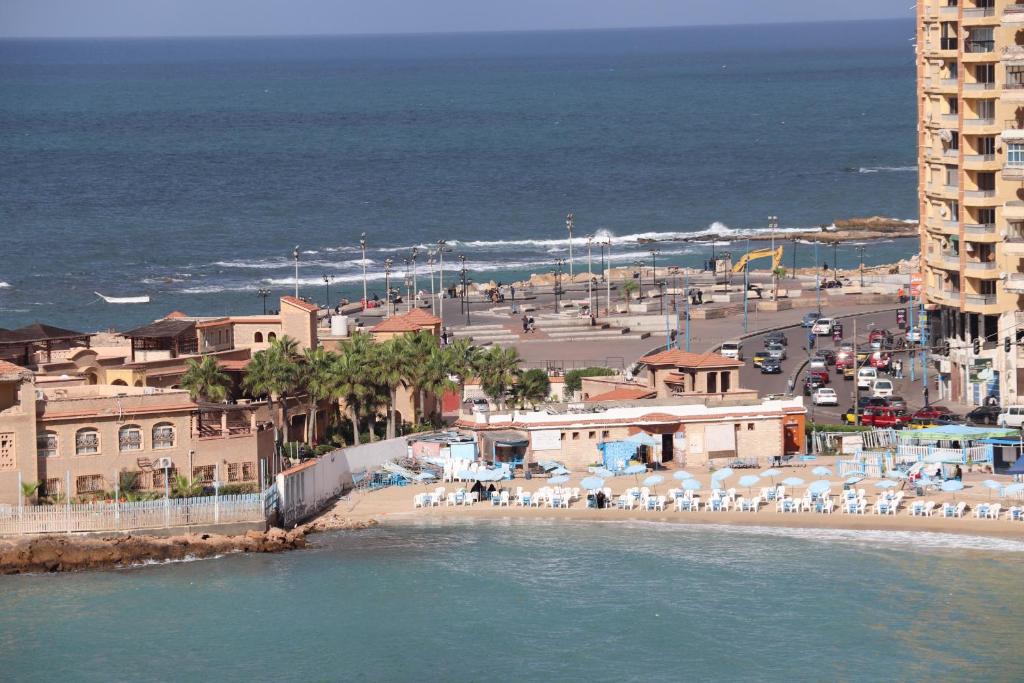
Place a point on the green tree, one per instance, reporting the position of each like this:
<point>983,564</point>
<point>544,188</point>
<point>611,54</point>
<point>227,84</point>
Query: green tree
<point>275,374</point>
<point>28,489</point>
<point>417,347</point>
<point>574,378</point>
<point>317,377</point>
<point>498,370</point>
<point>629,287</point>
<point>181,487</point>
<point>206,380</point>
<point>437,376</point>
<point>533,387</point>
<point>389,370</point>
<point>352,381</point>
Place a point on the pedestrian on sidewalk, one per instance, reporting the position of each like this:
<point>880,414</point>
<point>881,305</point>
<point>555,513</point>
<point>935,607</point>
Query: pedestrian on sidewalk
<point>532,325</point>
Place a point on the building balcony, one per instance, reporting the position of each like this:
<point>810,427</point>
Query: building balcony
<point>980,229</point>
<point>981,198</point>
<point>978,123</point>
<point>1012,246</point>
<point>979,16</point>
<point>1013,14</point>
<point>981,299</point>
<point>1014,283</point>
<point>981,162</point>
<point>1013,171</point>
<point>978,88</point>
<point>944,261</point>
<point>986,270</point>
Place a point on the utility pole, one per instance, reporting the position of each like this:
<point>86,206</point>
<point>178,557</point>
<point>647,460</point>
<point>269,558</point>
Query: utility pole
<point>569,220</point>
<point>327,286</point>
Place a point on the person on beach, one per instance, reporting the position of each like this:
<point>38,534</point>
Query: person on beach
<point>533,325</point>
<point>526,324</point>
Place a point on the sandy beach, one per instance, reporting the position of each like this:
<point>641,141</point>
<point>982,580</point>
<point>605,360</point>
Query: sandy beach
<point>395,506</point>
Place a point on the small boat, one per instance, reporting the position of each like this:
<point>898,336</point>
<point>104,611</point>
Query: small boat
<point>123,299</point>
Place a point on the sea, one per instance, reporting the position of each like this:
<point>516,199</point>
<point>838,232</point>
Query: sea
<point>537,601</point>
<point>188,170</point>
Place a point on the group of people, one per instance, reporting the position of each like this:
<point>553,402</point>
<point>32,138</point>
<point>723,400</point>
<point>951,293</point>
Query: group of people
<point>528,324</point>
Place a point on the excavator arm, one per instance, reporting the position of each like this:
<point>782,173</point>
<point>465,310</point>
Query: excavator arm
<point>775,254</point>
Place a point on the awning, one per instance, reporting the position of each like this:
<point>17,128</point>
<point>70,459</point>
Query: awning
<point>1017,467</point>
<point>955,433</point>
<point>1000,442</point>
<point>644,439</point>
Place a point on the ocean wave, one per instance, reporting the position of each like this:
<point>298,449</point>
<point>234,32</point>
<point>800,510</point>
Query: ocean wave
<point>4,285</point>
<point>887,169</point>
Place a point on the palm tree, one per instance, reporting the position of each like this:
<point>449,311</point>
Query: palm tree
<point>273,373</point>
<point>778,273</point>
<point>436,376</point>
<point>388,364</point>
<point>416,347</point>
<point>181,487</point>
<point>206,380</point>
<point>317,377</point>
<point>628,288</point>
<point>351,378</point>
<point>533,387</point>
<point>28,489</point>
<point>499,368</point>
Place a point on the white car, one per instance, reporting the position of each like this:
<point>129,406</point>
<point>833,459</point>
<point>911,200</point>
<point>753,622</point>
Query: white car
<point>822,326</point>
<point>866,378</point>
<point>776,351</point>
<point>824,396</point>
<point>1012,416</point>
<point>881,388</point>
<point>914,335</point>
<point>732,350</point>
<point>817,364</point>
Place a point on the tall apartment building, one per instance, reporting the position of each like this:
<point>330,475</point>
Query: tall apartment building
<point>970,88</point>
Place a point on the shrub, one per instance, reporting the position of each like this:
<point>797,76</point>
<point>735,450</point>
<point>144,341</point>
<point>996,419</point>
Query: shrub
<point>574,378</point>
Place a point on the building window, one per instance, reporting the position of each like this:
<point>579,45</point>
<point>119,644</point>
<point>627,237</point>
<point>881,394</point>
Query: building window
<point>591,435</point>
<point>87,441</point>
<point>53,486</point>
<point>234,471</point>
<point>1015,76</point>
<point>129,438</point>
<point>750,426</point>
<point>986,109</point>
<point>163,435</point>
<point>89,483</point>
<point>249,471</point>
<point>1015,154</point>
<point>575,436</point>
<point>980,40</point>
<point>258,338</point>
<point>605,434</point>
<point>158,476</point>
<point>46,444</point>
<point>271,336</point>
<point>987,145</point>
<point>204,474</point>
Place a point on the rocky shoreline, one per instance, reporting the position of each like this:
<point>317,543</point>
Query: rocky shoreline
<point>845,230</point>
<point>63,553</point>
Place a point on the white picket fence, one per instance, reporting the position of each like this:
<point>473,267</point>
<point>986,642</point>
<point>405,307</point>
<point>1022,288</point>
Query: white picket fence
<point>150,514</point>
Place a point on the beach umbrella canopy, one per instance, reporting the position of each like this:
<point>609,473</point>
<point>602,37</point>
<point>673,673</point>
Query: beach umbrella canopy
<point>723,473</point>
<point>592,483</point>
<point>465,474</point>
<point>771,473</point>
<point>691,485</point>
<point>793,481</point>
<point>425,475</point>
<point>603,473</point>
<point>821,471</point>
<point>635,469</point>
<point>855,479</point>
<point>896,474</point>
<point>749,480</point>
<point>885,484</point>
<point>991,485</point>
<point>682,475</point>
<point>819,486</point>
<point>952,486</point>
<point>559,470</point>
<point>1013,489</point>
<point>558,479</point>
<point>653,480</point>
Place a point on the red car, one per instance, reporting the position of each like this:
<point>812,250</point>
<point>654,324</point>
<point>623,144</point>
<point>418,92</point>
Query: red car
<point>878,335</point>
<point>935,413</point>
<point>884,417</point>
<point>820,374</point>
<point>845,360</point>
<point>880,361</point>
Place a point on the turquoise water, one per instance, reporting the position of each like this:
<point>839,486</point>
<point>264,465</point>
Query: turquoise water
<point>189,169</point>
<point>512,601</point>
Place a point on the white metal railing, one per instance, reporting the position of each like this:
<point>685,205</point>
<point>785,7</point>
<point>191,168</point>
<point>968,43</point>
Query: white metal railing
<point>150,514</point>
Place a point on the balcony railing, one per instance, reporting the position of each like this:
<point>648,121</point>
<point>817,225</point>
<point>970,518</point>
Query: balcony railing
<point>1013,124</point>
<point>979,12</point>
<point>979,158</point>
<point>981,265</point>
<point>980,121</point>
<point>981,299</point>
<point>1014,9</point>
<point>979,46</point>
<point>979,194</point>
<point>980,228</point>
<point>969,87</point>
<point>1015,283</point>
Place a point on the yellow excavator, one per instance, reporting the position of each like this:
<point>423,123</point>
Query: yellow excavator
<point>775,253</point>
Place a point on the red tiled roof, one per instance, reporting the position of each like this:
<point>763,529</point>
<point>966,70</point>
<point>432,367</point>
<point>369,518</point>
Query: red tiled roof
<point>299,303</point>
<point>12,369</point>
<point>624,394</point>
<point>174,315</point>
<point>241,320</point>
<point>685,359</point>
<point>407,322</point>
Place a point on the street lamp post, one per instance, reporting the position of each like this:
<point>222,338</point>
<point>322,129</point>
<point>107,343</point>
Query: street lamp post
<point>558,282</point>
<point>263,294</point>
<point>639,265</point>
<point>654,263</point>
<point>602,259</point>
<point>590,275</point>
<point>465,289</point>
<point>433,298</point>
<point>387,287</point>
<point>462,297</point>
<point>440,279</point>
<point>608,281</point>
<point>408,285</point>
<point>295,255</point>
<point>835,261</point>
<point>860,252</point>
<point>817,277</point>
<point>362,248</point>
<point>327,286</point>
<point>794,258</point>
<point>569,221</point>
<point>746,287</point>
<point>415,289</point>
<point>773,226</point>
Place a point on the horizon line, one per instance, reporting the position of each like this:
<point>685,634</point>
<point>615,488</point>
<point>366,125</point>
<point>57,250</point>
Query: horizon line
<point>449,33</point>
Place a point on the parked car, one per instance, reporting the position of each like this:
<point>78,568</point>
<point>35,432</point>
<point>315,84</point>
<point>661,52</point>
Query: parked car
<point>878,335</point>
<point>822,327</point>
<point>886,418</point>
<point>825,396</point>
<point>934,412</point>
<point>897,402</point>
<point>844,360</point>
<point>776,351</point>
<point>771,366</point>
<point>759,357</point>
<point>881,388</point>
<point>1013,416</point>
<point>820,374</point>
<point>732,350</point>
<point>984,415</point>
<point>777,337</point>
<point>849,371</point>
<point>879,360</point>
<point>817,363</point>
<point>914,335</point>
<point>809,319</point>
<point>812,384</point>
<point>829,355</point>
<point>865,376</point>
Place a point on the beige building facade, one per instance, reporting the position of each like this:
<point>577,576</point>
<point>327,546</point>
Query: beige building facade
<point>970,75</point>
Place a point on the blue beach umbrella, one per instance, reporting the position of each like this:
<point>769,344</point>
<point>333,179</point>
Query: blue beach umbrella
<point>592,483</point>
<point>635,469</point>
<point>749,480</point>
<point>466,474</point>
<point>885,484</point>
<point>792,481</point>
<point>719,475</point>
<point>691,485</point>
<point>771,474</point>
<point>952,486</point>
<point>682,475</point>
<point>558,479</point>
<point>653,480</point>
<point>603,473</point>
<point>819,486</point>
<point>855,479</point>
<point>991,485</point>
<point>821,471</point>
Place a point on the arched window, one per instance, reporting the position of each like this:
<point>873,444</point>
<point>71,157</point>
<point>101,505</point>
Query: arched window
<point>119,383</point>
<point>129,438</point>
<point>87,441</point>
<point>46,444</point>
<point>271,336</point>
<point>163,435</point>
<point>258,338</point>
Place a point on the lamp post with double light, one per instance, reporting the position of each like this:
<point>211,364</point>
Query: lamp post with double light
<point>263,294</point>
<point>362,248</point>
<point>295,255</point>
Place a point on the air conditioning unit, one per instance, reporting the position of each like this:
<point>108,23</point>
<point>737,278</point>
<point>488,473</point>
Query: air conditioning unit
<point>149,391</point>
<point>162,464</point>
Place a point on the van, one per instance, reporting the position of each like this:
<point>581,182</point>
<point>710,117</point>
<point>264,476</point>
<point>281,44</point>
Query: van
<point>732,350</point>
<point>866,377</point>
<point>1012,416</point>
<point>881,388</point>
